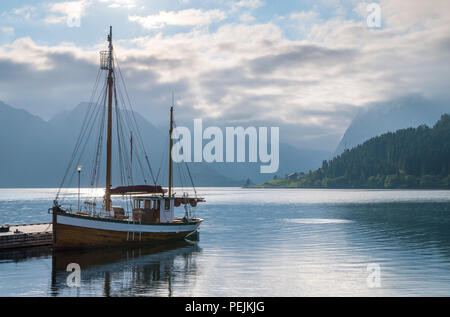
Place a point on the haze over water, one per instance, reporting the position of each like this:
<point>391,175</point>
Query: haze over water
<point>268,242</point>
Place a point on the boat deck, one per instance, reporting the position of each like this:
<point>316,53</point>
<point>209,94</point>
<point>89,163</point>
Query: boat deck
<point>176,220</point>
<point>27,235</point>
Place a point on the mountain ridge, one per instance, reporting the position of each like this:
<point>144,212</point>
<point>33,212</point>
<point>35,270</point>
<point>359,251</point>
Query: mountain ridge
<point>35,152</point>
<point>42,162</point>
<point>391,115</point>
<point>408,158</point>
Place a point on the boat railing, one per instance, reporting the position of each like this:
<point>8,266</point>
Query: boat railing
<point>90,209</point>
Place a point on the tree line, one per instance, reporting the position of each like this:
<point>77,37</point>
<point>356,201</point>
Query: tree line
<point>408,158</point>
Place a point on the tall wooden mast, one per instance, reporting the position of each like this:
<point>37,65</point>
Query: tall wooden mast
<point>170,149</point>
<point>109,128</point>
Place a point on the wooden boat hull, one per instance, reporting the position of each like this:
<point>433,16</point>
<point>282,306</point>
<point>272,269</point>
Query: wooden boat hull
<point>80,232</point>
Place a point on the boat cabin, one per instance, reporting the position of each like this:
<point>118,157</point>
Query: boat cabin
<point>150,204</point>
<point>153,209</point>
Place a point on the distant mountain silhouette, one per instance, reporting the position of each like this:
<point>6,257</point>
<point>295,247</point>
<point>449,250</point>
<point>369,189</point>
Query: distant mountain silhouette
<point>291,159</point>
<point>26,149</point>
<point>35,153</point>
<point>389,116</point>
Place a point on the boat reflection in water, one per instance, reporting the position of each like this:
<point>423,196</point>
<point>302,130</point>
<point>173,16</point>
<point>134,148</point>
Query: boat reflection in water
<point>144,271</point>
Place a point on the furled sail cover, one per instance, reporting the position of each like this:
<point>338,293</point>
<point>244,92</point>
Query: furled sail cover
<point>137,189</point>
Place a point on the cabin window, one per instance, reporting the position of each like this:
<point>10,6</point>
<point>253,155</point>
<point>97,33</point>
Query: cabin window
<point>167,204</point>
<point>147,204</point>
<point>157,204</point>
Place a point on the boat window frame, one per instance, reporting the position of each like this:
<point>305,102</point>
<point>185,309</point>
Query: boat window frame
<point>137,203</point>
<point>167,204</point>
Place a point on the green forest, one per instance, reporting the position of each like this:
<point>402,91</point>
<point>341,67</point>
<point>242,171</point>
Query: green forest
<point>408,158</point>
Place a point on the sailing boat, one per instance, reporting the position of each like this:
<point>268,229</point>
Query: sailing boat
<point>152,218</point>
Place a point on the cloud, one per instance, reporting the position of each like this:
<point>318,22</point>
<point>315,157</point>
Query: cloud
<point>303,15</point>
<point>247,18</point>
<point>303,55</point>
<point>189,17</point>
<point>242,73</point>
<point>7,30</point>
<point>63,11</point>
<point>25,13</point>
<point>413,15</point>
<point>120,3</point>
<point>247,4</point>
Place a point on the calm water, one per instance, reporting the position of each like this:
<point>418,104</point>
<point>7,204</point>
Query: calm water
<point>256,243</point>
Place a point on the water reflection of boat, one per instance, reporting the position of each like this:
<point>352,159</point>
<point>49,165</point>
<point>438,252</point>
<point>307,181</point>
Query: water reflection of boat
<point>25,254</point>
<point>126,271</point>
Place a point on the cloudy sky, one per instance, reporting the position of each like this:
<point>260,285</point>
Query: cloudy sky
<point>305,66</point>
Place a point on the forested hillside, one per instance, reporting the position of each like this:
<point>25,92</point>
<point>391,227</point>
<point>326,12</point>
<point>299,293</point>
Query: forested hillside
<point>409,158</point>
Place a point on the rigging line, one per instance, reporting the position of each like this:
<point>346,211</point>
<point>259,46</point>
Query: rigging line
<point>134,118</point>
<point>192,181</point>
<point>164,165</point>
<point>97,163</point>
<point>79,137</point>
<point>77,159</point>
<point>129,125</point>
<point>77,146</point>
<point>100,146</point>
<point>127,160</point>
<point>141,166</point>
<point>190,177</point>
<point>163,159</point>
<point>188,170</point>
<point>128,98</point>
<point>99,143</point>
<point>118,136</point>
<point>87,132</point>
<point>131,154</point>
<point>124,164</point>
<point>86,142</point>
<point>185,178</point>
<point>183,172</point>
<point>120,140</point>
<point>180,175</point>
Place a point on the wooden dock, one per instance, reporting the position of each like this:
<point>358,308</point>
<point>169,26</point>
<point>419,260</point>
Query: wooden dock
<point>27,235</point>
